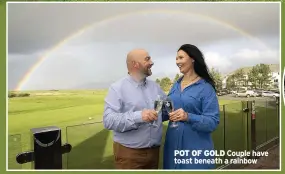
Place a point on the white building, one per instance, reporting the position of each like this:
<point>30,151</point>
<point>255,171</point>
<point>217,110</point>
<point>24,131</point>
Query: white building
<point>276,78</point>
<point>274,82</point>
<point>224,82</point>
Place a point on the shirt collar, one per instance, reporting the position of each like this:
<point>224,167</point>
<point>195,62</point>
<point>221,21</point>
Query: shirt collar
<point>135,82</point>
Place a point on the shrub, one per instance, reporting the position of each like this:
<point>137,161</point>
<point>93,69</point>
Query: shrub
<point>11,95</point>
<point>23,95</point>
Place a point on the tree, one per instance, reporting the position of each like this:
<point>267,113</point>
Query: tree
<point>165,83</point>
<point>264,75</point>
<point>231,82</point>
<point>157,81</point>
<point>253,76</point>
<point>239,75</point>
<point>176,78</point>
<point>217,78</point>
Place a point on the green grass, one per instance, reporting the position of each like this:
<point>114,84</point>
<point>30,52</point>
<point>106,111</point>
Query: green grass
<point>92,144</point>
<point>62,109</point>
<point>267,125</point>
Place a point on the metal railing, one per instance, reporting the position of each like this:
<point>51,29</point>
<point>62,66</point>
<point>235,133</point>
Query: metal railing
<point>14,147</point>
<point>245,125</point>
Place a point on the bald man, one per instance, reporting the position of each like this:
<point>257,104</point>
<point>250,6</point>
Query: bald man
<point>129,114</point>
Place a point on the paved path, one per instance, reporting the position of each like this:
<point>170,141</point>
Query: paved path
<point>269,162</point>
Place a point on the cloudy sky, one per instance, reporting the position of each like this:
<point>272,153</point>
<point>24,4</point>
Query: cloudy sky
<point>85,45</point>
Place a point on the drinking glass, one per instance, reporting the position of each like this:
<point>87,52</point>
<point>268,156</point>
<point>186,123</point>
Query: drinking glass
<point>157,107</point>
<point>169,108</point>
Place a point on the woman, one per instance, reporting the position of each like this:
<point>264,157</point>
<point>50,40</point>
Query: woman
<point>196,112</point>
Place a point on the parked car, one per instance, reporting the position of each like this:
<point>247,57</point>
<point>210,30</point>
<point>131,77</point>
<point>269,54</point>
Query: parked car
<point>269,94</point>
<point>258,93</point>
<point>245,93</point>
<point>224,92</point>
<point>227,91</point>
<point>275,91</point>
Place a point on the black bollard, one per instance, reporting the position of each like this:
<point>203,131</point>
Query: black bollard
<point>46,143</point>
<point>47,149</point>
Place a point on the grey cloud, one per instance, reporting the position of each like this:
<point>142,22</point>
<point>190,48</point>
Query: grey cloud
<point>95,64</point>
<point>40,26</point>
<point>97,56</point>
<point>18,65</point>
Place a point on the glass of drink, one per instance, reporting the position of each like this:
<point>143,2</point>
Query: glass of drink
<point>157,107</point>
<point>169,108</point>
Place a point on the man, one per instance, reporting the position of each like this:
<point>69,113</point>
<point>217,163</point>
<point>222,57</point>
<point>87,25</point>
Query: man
<point>129,112</point>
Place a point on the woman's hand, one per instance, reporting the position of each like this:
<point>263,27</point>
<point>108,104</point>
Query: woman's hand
<point>178,115</point>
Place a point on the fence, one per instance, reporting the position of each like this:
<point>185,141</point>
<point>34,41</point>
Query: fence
<point>267,122</point>
<point>92,144</point>
<point>14,147</point>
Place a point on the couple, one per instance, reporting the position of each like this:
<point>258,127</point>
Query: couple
<point>129,112</point>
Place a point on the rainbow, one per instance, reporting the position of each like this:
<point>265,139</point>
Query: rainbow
<point>27,76</point>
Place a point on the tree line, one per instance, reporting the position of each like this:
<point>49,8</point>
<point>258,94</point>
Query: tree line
<point>13,95</point>
<point>259,76</point>
<point>166,83</point>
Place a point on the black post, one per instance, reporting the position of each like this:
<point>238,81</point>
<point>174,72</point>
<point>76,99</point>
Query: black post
<point>248,118</point>
<point>246,110</point>
<point>47,149</point>
<point>266,108</point>
<point>253,128</point>
<point>247,131</point>
<point>278,115</point>
<point>224,132</point>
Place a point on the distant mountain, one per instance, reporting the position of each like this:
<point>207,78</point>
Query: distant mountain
<point>95,85</point>
<point>105,85</point>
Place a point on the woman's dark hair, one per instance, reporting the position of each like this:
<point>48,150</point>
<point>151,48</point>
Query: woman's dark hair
<point>200,66</point>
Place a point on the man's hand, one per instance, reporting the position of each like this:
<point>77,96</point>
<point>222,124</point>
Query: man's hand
<point>149,115</point>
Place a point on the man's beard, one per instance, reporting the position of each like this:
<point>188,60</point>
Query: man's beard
<point>144,72</point>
